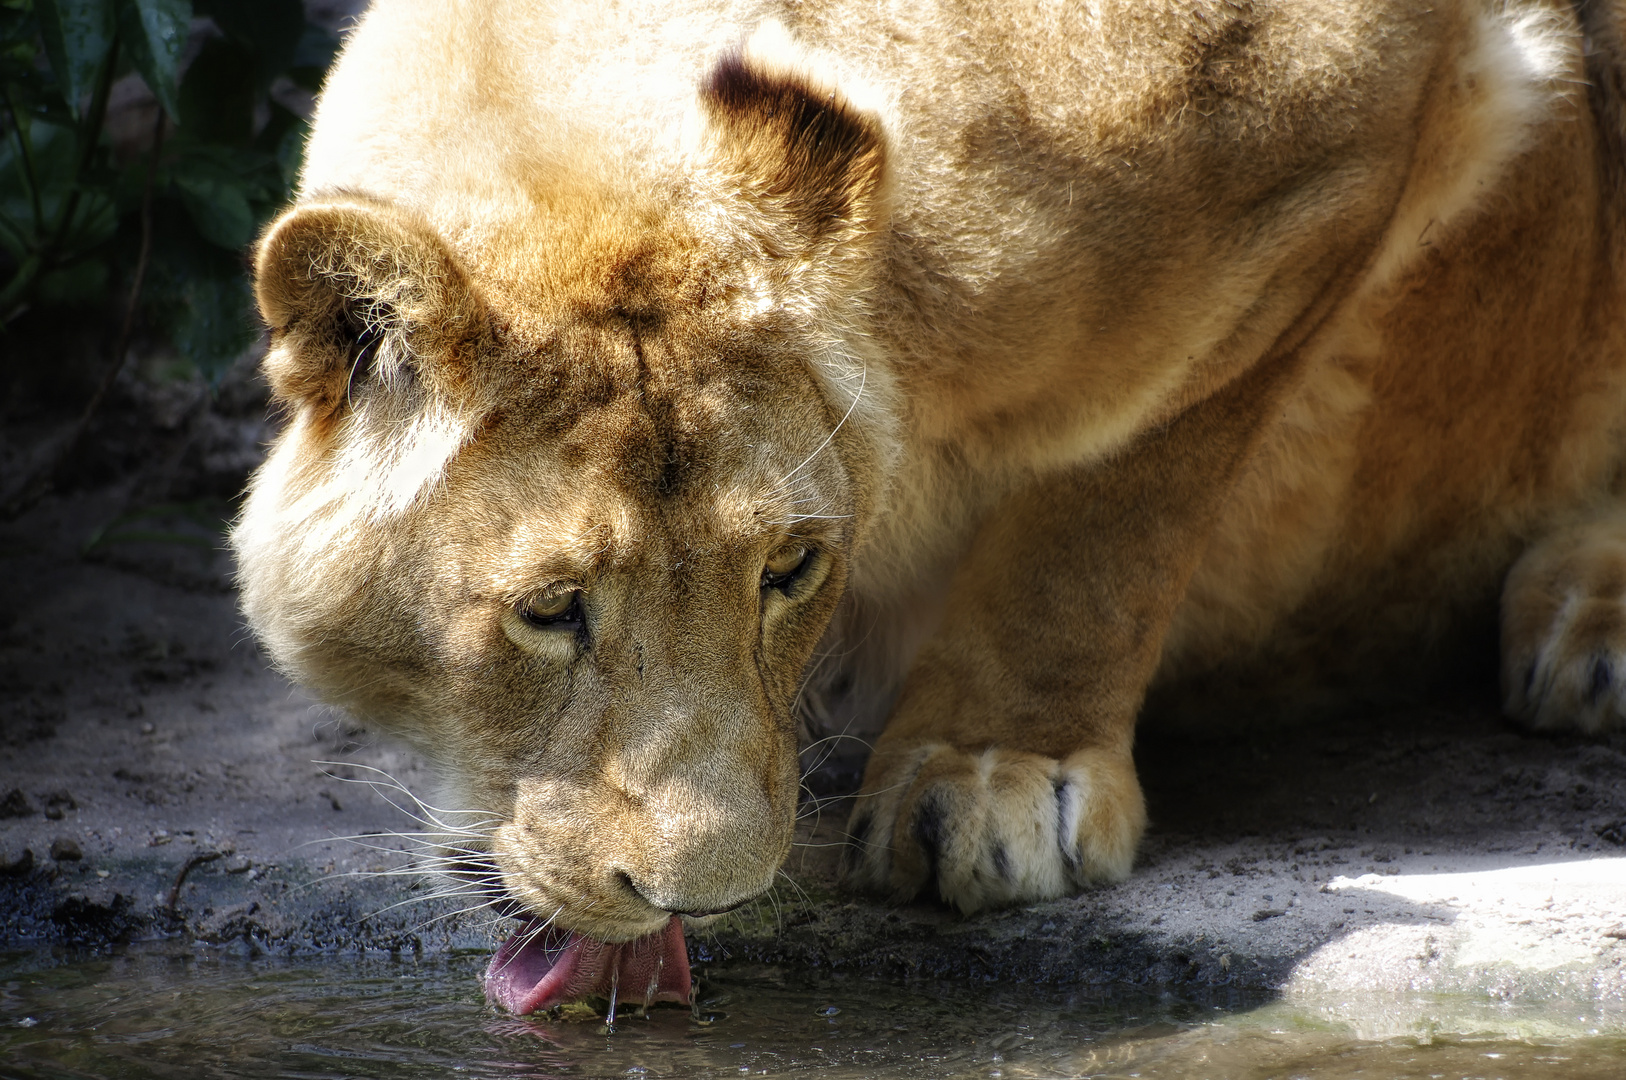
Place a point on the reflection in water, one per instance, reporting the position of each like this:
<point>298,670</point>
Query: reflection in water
<point>157,1014</point>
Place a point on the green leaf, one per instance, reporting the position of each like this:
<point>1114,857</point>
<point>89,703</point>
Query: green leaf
<point>154,32</point>
<point>55,157</point>
<point>215,322</point>
<point>94,223</point>
<point>84,283</point>
<point>17,203</point>
<point>219,208</point>
<point>78,35</point>
<point>15,233</point>
<point>291,153</point>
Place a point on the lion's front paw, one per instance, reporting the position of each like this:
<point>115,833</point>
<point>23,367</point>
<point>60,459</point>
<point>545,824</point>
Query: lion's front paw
<point>993,827</point>
<point>1564,631</point>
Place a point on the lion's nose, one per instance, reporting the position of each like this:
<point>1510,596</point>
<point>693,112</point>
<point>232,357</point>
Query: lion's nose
<point>695,912</point>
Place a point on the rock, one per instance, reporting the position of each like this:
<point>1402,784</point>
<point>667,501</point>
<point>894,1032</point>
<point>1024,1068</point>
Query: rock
<point>19,866</point>
<point>15,804</point>
<point>59,800</point>
<point>92,919</point>
<point>66,849</point>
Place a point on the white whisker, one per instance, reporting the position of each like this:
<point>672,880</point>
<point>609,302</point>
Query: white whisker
<point>857,397</point>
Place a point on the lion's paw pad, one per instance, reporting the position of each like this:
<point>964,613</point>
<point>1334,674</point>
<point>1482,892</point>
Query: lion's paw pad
<point>995,827</point>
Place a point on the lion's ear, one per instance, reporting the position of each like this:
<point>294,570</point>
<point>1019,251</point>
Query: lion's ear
<point>361,293</point>
<point>796,146</point>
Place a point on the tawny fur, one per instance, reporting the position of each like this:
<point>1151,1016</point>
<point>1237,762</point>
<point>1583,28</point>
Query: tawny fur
<point>1083,348</point>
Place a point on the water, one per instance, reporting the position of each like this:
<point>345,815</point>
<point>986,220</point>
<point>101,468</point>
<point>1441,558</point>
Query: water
<point>143,1013</point>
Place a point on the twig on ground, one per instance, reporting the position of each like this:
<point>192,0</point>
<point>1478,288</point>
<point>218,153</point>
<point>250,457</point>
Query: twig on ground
<point>190,865</point>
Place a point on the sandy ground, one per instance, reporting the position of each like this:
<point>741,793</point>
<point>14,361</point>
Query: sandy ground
<point>158,780</point>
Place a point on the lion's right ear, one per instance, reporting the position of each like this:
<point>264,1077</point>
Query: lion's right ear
<point>797,147</point>
<point>361,293</point>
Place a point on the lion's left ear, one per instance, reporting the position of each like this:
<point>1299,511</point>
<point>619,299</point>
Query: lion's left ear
<point>358,291</point>
<point>799,149</point>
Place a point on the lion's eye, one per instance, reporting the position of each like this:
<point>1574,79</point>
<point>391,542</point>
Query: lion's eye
<point>554,609</point>
<point>785,563</point>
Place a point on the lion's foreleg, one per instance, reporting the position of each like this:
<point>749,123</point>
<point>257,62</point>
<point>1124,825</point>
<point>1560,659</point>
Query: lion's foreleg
<point>1005,773</point>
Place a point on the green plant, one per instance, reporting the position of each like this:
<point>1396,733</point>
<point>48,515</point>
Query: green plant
<point>167,225</point>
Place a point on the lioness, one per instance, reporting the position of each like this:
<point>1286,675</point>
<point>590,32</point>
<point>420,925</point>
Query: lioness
<point>657,373</point>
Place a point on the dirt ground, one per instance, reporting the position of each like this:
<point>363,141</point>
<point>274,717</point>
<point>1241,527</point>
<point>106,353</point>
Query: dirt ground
<point>158,780</point>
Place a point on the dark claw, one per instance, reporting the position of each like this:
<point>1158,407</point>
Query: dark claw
<point>1069,850</point>
<point>857,842</point>
<point>929,830</point>
<point>1002,863</point>
<point>1602,676</point>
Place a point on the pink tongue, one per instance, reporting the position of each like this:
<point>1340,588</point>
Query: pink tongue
<point>538,968</point>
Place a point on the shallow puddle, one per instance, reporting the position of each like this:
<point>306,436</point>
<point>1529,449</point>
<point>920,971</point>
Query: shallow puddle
<point>157,1014</point>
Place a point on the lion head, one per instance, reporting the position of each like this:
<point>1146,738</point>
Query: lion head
<point>569,487</point>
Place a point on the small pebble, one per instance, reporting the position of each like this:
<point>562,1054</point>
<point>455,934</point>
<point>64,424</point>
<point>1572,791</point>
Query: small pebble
<point>60,797</point>
<point>15,804</point>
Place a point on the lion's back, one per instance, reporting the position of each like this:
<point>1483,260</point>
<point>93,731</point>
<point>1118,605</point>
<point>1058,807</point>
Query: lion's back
<point>1166,184</point>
